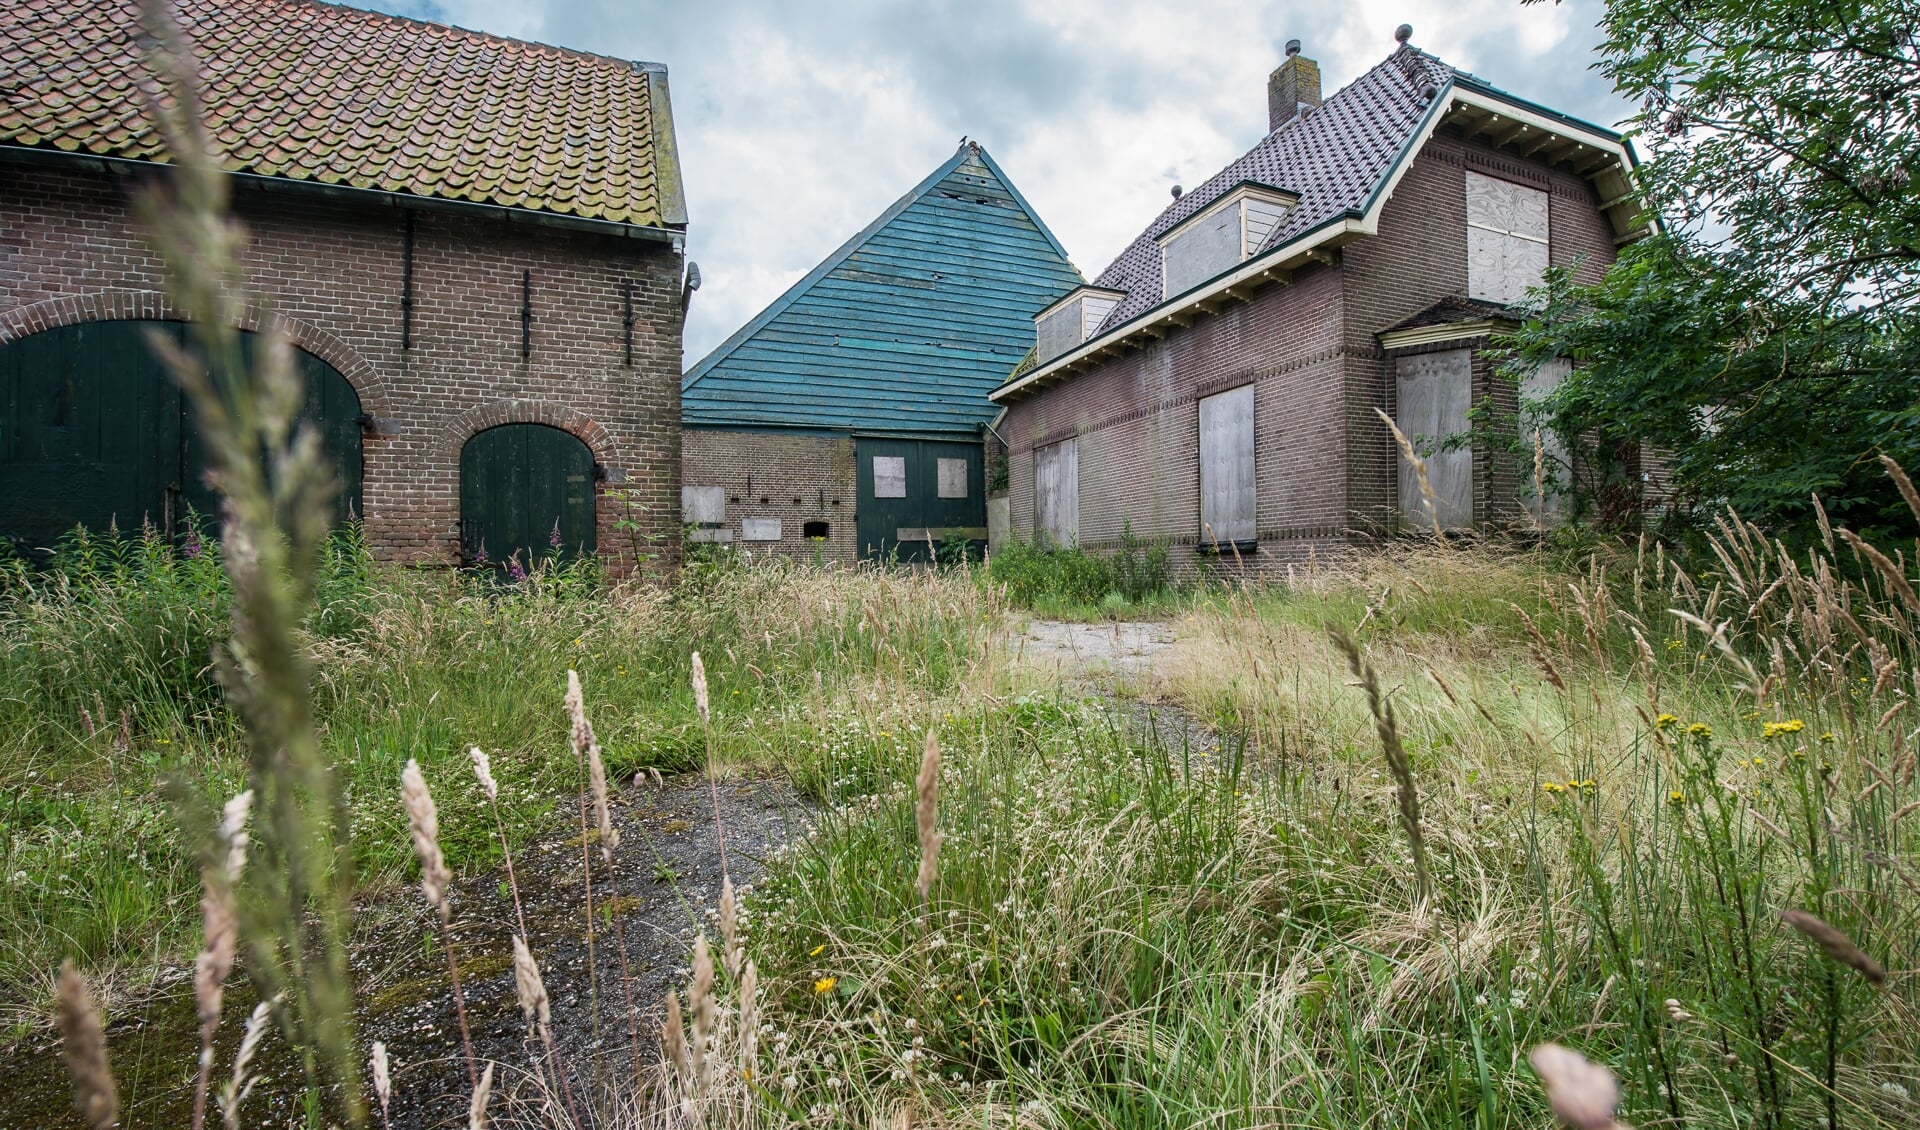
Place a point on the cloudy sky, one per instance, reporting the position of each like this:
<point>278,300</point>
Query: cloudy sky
<point>800,120</point>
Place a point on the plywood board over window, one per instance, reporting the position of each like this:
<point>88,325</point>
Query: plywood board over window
<point>952,478</point>
<point>1435,391</point>
<point>1056,492</point>
<point>889,476</point>
<point>1228,502</point>
<point>1507,238</point>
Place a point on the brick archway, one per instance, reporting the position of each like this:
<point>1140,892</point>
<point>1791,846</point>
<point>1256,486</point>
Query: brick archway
<point>155,306</point>
<point>457,431</point>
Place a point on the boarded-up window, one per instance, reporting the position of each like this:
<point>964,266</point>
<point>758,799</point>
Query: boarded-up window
<point>1072,321</point>
<point>1056,492</point>
<point>705,509</point>
<point>1435,390</point>
<point>760,529</point>
<point>889,476</point>
<point>952,482</point>
<point>1220,236</point>
<point>1506,238</point>
<point>1227,496</point>
<point>1553,449</point>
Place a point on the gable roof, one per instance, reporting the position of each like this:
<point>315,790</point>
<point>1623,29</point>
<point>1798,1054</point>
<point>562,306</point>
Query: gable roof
<point>1334,158</point>
<point>1342,159</point>
<point>313,92</point>
<point>906,327</point>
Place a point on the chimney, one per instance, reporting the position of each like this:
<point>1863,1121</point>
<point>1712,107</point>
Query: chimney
<point>1294,84</point>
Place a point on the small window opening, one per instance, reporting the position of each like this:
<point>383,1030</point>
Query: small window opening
<point>813,529</point>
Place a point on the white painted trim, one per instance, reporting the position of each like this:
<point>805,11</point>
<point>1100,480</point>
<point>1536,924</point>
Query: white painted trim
<point>1433,335</point>
<point>1233,196</point>
<point>1075,293</point>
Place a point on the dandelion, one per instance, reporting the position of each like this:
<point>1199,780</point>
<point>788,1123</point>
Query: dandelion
<point>1667,721</point>
<point>825,985</point>
<point>85,1042</point>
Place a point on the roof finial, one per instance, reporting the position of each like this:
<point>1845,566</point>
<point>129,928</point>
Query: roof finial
<point>1403,33</point>
<point>1293,48</point>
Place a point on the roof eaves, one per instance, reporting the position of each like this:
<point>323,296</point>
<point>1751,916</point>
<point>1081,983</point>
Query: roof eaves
<point>792,294</point>
<point>1480,85</point>
<point>1343,227</point>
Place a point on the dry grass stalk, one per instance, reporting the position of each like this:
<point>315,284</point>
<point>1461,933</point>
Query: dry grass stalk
<point>749,1019</point>
<point>221,928</point>
<point>1583,1095</point>
<point>483,770</point>
<point>700,700</point>
<point>731,950</point>
<point>1539,484</point>
<point>700,1001</point>
<point>673,1040</point>
<point>1419,466</point>
<point>1397,762</point>
<point>382,1081</point>
<point>234,1092</point>
<point>1896,580</point>
<point>1900,479</point>
<point>585,743</point>
<point>84,1041</point>
<point>1836,945</point>
<point>705,706</point>
<point>477,1109</point>
<point>423,821</point>
<point>926,814</point>
<point>531,991</point>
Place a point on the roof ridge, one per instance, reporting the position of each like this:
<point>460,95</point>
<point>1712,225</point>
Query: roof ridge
<point>469,32</point>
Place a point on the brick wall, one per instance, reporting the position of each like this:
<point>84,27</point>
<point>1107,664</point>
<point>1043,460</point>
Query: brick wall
<point>69,251</point>
<point>794,477</point>
<point>1325,466</point>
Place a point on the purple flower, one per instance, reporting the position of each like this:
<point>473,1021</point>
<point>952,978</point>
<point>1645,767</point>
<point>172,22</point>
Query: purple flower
<point>553,539</point>
<point>514,571</point>
<point>192,547</point>
<point>480,557</point>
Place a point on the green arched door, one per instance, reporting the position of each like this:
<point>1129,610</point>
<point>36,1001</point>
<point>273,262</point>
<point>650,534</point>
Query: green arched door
<point>94,432</point>
<point>526,493</point>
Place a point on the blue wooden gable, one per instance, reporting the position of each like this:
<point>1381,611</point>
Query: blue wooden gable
<point>904,329</point>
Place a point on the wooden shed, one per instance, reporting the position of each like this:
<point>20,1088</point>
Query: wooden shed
<point>847,418</point>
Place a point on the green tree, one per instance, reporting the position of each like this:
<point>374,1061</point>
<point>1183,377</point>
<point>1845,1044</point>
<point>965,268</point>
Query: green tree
<point>1762,341</point>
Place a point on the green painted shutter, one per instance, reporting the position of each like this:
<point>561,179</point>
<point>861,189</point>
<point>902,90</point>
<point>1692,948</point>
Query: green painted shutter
<point>519,484</point>
<point>94,432</point>
<point>889,523</point>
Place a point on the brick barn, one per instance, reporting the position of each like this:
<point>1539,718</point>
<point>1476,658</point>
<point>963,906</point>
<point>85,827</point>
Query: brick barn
<point>475,243</point>
<point>1216,385</point>
<point>849,418</point>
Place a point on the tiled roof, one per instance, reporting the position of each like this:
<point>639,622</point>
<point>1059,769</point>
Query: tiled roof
<point>1335,158</point>
<point>905,328</point>
<point>339,96</point>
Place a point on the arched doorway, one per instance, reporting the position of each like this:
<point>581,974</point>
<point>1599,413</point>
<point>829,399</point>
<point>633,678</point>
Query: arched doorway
<point>526,494</point>
<point>94,432</point>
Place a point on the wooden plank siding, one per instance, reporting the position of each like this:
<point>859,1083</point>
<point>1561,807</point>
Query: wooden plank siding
<point>904,329</point>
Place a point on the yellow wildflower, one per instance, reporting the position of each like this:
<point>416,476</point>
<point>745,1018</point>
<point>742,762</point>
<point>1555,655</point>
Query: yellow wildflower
<point>1700,730</point>
<point>1790,726</point>
<point>1665,721</point>
<point>1552,787</point>
<point>1827,737</point>
<point>825,985</point>
<point>1677,797</point>
<point>817,950</point>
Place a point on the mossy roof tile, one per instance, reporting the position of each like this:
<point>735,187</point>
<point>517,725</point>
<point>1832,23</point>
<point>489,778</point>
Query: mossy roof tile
<point>318,92</point>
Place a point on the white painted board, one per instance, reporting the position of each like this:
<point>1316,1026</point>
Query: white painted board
<point>760,529</point>
<point>952,478</point>
<point>1228,496</point>
<point>889,476</point>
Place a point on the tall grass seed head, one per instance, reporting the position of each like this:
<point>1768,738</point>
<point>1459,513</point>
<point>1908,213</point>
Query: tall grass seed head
<point>527,985</point>
<point>700,699</point>
<point>483,772</point>
<point>423,822</point>
<point>84,1042</point>
<point>382,1077</point>
<point>1583,1095</point>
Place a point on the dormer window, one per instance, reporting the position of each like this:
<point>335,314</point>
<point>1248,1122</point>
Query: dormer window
<point>1507,238</point>
<point>1220,236</point>
<point>1072,320</point>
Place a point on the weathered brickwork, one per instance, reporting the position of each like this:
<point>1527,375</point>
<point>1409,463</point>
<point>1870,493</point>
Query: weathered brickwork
<point>796,478</point>
<point>1325,466</point>
<point>332,273</point>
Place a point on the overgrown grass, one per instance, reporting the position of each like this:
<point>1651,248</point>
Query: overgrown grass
<point>107,694</point>
<point>1129,931</point>
<point>1068,582</point>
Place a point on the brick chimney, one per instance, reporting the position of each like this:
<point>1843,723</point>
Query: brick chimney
<point>1295,83</point>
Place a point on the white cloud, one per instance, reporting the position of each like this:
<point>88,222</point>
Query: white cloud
<point>798,123</point>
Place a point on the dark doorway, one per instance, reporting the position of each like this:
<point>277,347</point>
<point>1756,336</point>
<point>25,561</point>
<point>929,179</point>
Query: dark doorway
<point>526,495</point>
<point>94,433</point>
<point>913,491</point>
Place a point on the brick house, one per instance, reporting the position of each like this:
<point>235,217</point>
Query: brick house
<point>1217,384</point>
<point>474,242</point>
<point>848,418</point>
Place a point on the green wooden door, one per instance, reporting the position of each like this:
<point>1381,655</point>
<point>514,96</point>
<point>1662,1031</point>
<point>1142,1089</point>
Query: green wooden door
<point>94,433</point>
<point>526,493</point>
<point>910,489</point>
